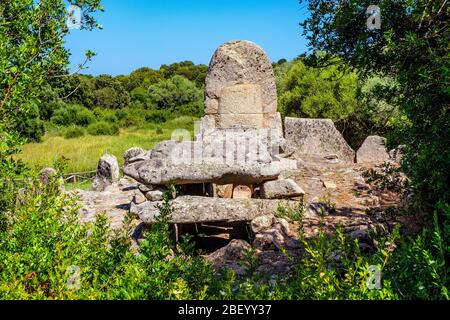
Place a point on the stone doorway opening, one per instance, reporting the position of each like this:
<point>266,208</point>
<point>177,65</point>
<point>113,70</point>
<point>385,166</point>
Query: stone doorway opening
<point>209,237</point>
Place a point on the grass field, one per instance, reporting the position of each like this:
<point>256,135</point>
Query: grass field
<point>83,153</point>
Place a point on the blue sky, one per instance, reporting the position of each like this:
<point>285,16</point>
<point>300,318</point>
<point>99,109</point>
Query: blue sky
<point>138,33</point>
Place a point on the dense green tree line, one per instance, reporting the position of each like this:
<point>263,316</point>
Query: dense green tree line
<point>177,89</point>
<point>144,95</point>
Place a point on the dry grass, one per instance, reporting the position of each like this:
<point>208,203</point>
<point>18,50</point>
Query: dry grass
<point>83,153</point>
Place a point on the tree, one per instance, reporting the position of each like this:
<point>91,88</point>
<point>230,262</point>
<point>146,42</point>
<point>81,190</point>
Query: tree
<point>81,90</point>
<point>109,93</point>
<point>177,94</point>
<point>32,52</point>
<point>412,46</point>
<point>316,93</point>
<point>187,69</point>
<point>142,77</point>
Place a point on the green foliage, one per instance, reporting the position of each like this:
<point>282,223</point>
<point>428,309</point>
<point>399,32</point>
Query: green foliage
<point>157,116</point>
<point>188,70</point>
<point>412,48</point>
<point>175,93</point>
<point>377,111</point>
<point>44,244</point>
<point>73,115</point>
<point>28,124</point>
<point>419,271</point>
<point>103,128</point>
<point>41,244</point>
<point>74,132</point>
<point>317,93</point>
<point>30,56</point>
<point>359,107</point>
<point>387,177</point>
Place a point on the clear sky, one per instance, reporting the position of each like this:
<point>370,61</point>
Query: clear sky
<point>138,33</point>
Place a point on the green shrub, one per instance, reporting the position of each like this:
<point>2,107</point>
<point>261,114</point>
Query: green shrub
<point>157,116</point>
<point>43,245</point>
<point>29,125</point>
<point>74,132</point>
<point>175,92</point>
<point>84,117</point>
<point>102,128</point>
<point>73,115</point>
<point>109,117</point>
<point>121,113</point>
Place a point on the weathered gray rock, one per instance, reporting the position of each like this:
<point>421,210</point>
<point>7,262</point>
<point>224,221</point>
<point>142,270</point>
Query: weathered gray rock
<point>372,151</point>
<point>261,223</point>
<point>287,164</point>
<point>240,63</point>
<point>216,159</point>
<point>316,137</point>
<point>194,209</point>
<point>107,173</point>
<point>144,189</point>
<point>114,202</point>
<point>229,256</point>
<point>157,172</point>
<point>155,195</point>
<point>279,189</point>
<point>261,144</point>
<point>132,154</point>
<point>46,174</point>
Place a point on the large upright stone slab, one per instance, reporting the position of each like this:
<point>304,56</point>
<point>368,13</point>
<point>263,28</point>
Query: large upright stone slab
<point>316,137</point>
<point>107,173</point>
<point>240,89</point>
<point>373,151</point>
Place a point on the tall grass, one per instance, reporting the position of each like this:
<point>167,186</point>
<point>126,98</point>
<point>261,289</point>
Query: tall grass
<point>83,152</point>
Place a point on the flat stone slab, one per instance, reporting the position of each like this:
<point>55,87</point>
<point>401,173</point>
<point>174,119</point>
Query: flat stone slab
<point>221,157</point>
<point>156,172</point>
<point>194,209</point>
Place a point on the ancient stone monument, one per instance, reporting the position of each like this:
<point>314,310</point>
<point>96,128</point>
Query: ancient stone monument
<point>238,166</point>
<point>241,171</point>
<point>222,172</point>
<point>240,89</point>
